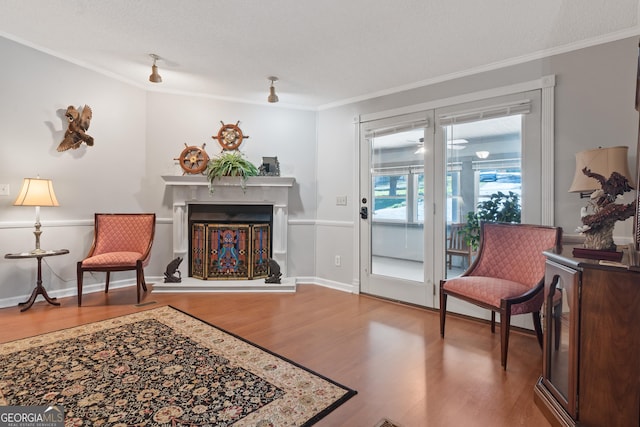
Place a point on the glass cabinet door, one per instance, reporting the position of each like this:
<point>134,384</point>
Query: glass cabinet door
<point>561,323</point>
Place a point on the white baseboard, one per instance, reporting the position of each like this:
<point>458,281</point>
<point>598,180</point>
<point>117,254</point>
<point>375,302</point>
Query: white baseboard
<point>99,287</point>
<point>345,287</point>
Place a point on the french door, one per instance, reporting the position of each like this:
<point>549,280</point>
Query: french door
<point>396,184</point>
<point>421,173</point>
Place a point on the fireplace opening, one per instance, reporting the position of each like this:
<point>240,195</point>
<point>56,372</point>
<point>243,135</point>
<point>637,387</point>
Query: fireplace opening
<point>229,242</point>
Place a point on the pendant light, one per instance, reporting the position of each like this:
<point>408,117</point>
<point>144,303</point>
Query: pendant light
<point>272,90</point>
<point>154,77</point>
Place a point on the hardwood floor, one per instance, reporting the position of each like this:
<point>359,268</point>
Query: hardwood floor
<point>390,353</point>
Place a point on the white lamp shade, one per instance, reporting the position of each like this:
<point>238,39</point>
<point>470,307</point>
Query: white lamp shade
<point>36,192</point>
<point>603,161</point>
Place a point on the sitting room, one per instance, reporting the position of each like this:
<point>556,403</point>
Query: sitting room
<point>261,213</point>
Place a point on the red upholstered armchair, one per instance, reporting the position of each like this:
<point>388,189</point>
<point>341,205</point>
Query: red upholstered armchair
<point>506,277</point>
<point>121,242</point>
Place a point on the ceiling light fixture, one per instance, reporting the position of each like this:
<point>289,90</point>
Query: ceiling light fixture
<point>482,154</point>
<point>272,90</point>
<point>154,77</point>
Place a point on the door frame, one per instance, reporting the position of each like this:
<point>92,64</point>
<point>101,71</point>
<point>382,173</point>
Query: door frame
<point>547,86</point>
<point>395,288</point>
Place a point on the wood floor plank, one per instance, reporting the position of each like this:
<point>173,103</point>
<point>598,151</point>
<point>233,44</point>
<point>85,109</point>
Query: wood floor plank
<point>392,354</point>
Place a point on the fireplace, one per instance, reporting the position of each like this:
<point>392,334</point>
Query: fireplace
<point>229,242</point>
<point>264,200</point>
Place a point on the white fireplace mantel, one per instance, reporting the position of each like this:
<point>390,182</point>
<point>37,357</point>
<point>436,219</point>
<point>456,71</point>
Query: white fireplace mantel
<point>228,181</point>
<point>262,190</point>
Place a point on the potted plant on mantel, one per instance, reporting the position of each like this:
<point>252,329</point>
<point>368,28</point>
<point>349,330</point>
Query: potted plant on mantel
<point>230,163</point>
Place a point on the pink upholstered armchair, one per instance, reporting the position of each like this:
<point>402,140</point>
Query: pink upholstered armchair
<point>121,242</point>
<point>506,277</point>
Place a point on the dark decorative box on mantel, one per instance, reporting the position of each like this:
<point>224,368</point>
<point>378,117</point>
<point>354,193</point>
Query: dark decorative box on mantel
<point>597,254</point>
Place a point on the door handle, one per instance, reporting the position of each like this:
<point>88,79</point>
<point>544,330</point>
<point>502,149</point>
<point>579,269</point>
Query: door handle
<point>364,212</point>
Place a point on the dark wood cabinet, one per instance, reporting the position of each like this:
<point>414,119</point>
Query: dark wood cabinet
<point>591,363</point>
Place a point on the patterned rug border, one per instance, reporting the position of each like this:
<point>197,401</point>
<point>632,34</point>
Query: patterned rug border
<point>104,324</point>
<point>349,391</point>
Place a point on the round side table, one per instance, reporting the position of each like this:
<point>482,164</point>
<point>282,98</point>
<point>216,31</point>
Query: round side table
<point>39,289</point>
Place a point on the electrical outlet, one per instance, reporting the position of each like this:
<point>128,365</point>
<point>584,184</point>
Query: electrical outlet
<point>341,200</point>
<point>4,189</point>
<point>337,261</point>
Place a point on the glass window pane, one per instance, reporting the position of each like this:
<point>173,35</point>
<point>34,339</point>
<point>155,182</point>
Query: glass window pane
<point>390,197</point>
<point>483,158</point>
<point>397,190</point>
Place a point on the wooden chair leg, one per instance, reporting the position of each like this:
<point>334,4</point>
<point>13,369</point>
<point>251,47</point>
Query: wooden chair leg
<point>538,326</point>
<point>106,283</point>
<point>493,322</point>
<point>139,281</point>
<point>142,281</point>
<point>443,309</point>
<point>505,324</point>
<point>138,286</point>
<point>79,283</point>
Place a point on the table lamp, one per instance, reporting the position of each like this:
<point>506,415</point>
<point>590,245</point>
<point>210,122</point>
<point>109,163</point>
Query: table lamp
<point>36,192</point>
<point>603,161</point>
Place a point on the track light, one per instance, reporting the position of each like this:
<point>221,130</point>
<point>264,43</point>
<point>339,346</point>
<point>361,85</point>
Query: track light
<point>154,77</point>
<point>272,90</point>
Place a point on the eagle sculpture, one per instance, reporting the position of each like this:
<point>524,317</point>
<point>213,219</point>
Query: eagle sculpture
<point>76,133</point>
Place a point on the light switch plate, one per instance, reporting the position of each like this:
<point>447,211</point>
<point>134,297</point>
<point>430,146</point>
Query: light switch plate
<point>4,189</point>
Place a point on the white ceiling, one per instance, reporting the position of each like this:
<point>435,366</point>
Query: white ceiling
<point>325,52</point>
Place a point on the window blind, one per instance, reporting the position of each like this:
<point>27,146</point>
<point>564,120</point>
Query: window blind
<point>397,170</point>
<point>495,164</point>
<point>397,127</point>
<point>522,106</point>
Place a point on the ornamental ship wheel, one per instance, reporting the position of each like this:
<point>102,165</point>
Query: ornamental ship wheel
<point>193,160</point>
<point>230,136</point>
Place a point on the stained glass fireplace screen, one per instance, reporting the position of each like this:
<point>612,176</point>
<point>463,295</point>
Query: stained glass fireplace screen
<point>230,251</point>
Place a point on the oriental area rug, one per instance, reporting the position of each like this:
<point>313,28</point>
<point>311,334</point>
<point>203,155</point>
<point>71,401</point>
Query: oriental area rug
<point>162,367</point>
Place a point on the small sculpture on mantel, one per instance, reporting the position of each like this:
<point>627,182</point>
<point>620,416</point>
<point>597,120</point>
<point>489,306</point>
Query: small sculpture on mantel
<point>172,269</point>
<point>269,167</point>
<point>274,272</point>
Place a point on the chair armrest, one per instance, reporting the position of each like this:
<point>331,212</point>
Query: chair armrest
<point>529,294</point>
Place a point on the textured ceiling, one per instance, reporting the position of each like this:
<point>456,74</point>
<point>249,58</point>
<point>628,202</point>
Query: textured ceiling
<point>325,52</point>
